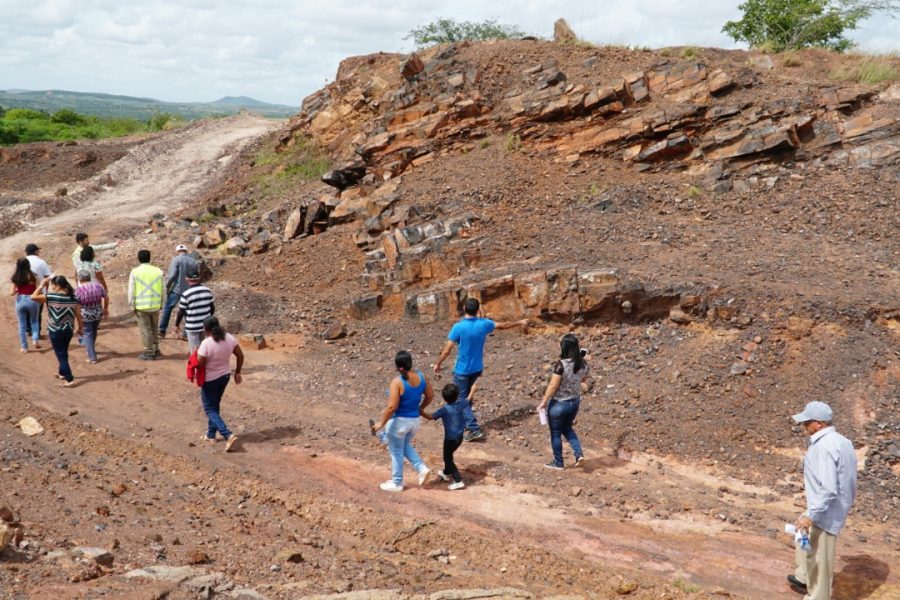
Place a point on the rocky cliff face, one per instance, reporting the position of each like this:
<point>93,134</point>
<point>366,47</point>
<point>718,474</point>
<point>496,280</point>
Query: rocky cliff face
<point>721,120</point>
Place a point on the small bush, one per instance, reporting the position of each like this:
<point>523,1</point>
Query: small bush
<point>869,71</point>
<point>684,586</point>
<point>484,144</point>
<point>67,116</point>
<point>690,52</point>
<point>513,143</point>
<point>23,114</point>
<point>791,60</point>
<point>695,191</point>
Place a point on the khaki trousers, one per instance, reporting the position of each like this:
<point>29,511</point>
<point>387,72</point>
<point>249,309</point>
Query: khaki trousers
<point>816,567</point>
<point>148,325</point>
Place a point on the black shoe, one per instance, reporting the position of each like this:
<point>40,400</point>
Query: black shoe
<point>146,356</point>
<point>553,465</point>
<point>157,354</point>
<point>471,436</point>
<point>796,585</point>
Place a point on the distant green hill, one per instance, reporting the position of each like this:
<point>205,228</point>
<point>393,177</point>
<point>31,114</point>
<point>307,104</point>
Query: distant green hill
<point>108,105</point>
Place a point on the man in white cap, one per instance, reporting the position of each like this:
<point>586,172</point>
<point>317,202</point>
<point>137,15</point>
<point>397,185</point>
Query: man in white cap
<point>176,283</point>
<point>829,478</point>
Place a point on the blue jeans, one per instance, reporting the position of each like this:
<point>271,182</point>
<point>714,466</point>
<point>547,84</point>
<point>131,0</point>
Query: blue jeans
<point>465,383</point>
<point>27,313</point>
<point>171,302</point>
<point>89,338</point>
<point>400,434</point>
<point>211,393</point>
<point>561,415</point>
<point>60,341</point>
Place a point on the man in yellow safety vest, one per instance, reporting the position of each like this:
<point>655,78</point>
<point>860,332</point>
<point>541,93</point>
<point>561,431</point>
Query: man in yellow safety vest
<point>145,297</point>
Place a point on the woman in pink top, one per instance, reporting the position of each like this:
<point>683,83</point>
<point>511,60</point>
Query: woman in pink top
<point>214,354</point>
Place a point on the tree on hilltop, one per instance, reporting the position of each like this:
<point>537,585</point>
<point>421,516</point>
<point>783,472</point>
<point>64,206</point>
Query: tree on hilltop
<point>444,31</point>
<point>793,24</point>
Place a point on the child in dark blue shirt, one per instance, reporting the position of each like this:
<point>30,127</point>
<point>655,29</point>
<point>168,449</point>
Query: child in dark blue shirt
<point>452,414</point>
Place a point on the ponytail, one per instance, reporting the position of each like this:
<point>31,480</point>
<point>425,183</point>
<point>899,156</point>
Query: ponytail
<point>61,282</point>
<point>403,362</point>
<point>211,324</point>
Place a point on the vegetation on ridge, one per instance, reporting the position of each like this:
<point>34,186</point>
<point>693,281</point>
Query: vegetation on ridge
<point>444,31</point>
<point>793,24</point>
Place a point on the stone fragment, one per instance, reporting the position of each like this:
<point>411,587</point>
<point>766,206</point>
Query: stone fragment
<point>214,237</point>
<point>563,33</point>
<point>625,588</point>
<point>30,426</point>
<point>366,306</point>
<point>6,514</point>
<point>198,557</point>
<point>259,243</point>
<point>290,556</point>
<point>236,246</point>
<point>335,331</point>
<point>165,573</point>
<point>7,533</point>
<point>253,340</point>
<point>345,176</point>
<point>676,315</point>
<point>294,225</point>
<point>412,66</point>
<point>762,61</point>
<point>98,555</point>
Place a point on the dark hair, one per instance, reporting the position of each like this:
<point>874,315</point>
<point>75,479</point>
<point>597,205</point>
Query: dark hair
<point>403,362</point>
<point>569,349</point>
<point>450,393</point>
<point>87,254</point>
<point>60,281</point>
<point>143,256</point>
<point>80,237</point>
<point>23,274</point>
<point>211,324</point>
<point>31,249</point>
<point>471,306</point>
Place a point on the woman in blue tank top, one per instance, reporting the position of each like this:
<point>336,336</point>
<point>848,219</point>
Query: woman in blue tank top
<point>408,394</point>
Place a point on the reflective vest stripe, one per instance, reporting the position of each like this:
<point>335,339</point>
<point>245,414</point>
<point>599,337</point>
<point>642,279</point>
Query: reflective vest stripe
<point>148,284</point>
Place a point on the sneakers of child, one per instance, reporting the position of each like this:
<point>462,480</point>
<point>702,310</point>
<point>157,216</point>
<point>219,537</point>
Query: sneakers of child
<point>424,476</point>
<point>553,465</point>
<point>443,476</point>
<point>390,486</point>
<point>456,485</point>
<point>579,462</point>
<point>471,436</point>
<point>230,443</point>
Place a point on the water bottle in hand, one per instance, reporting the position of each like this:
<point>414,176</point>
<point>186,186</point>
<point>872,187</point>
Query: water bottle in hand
<point>804,541</point>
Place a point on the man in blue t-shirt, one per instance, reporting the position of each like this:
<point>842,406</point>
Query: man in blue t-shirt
<point>469,334</point>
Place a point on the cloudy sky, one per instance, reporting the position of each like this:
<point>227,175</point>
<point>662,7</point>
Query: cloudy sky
<point>281,50</point>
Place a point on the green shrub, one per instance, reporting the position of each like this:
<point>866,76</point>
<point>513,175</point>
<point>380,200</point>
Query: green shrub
<point>791,60</point>
<point>24,114</point>
<point>695,191</point>
<point>690,52</point>
<point>67,116</point>
<point>445,31</point>
<point>513,143</point>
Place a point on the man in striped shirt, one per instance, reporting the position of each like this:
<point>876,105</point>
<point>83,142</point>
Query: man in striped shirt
<point>829,478</point>
<point>195,305</point>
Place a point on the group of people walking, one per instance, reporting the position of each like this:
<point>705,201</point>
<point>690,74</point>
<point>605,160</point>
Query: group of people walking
<point>410,393</point>
<point>79,311</point>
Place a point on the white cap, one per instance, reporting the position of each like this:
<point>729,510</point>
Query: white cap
<point>814,411</point>
<point>181,248</point>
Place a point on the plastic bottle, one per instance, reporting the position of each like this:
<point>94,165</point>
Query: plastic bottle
<point>804,540</point>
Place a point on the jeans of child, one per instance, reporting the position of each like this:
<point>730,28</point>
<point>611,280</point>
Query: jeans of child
<point>89,338</point>
<point>27,314</point>
<point>211,394</point>
<point>60,341</point>
<point>465,383</point>
<point>400,434</point>
<point>561,415</point>
<point>450,469</point>
<point>171,302</point>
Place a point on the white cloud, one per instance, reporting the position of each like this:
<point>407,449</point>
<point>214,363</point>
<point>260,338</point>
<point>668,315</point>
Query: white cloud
<point>280,51</point>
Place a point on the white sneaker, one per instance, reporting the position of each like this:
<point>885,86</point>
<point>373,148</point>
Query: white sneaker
<point>443,476</point>
<point>456,485</point>
<point>424,476</point>
<point>390,486</point>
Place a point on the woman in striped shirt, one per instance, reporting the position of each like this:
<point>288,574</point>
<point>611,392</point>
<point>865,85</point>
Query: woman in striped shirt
<point>64,313</point>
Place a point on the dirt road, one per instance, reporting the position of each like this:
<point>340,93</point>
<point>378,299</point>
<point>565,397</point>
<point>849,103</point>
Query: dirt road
<point>121,466</point>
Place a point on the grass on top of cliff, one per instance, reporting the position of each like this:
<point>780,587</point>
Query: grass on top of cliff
<point>279,172</point>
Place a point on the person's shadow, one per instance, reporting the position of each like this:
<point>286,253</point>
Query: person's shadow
<point>860,578</point>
